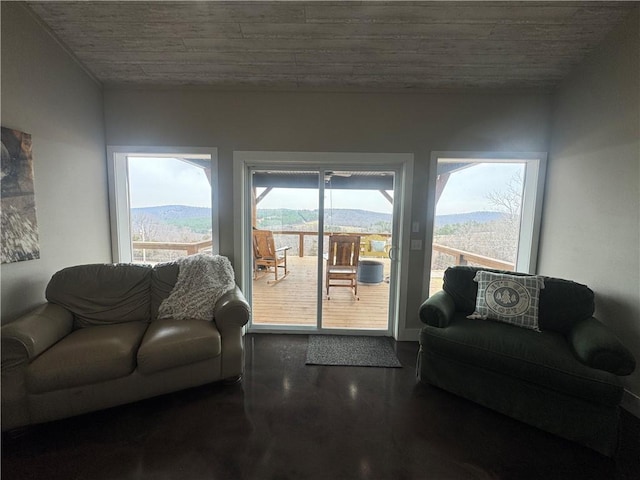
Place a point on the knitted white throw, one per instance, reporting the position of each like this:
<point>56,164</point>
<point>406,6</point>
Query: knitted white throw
<point>202,280</point>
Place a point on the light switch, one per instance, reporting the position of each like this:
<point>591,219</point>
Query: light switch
<point>416,244</point>
<point>415,227</point>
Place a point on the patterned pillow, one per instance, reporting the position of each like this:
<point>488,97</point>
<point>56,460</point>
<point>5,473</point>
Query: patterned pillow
<point>378,245</point>
<point>508,298</point>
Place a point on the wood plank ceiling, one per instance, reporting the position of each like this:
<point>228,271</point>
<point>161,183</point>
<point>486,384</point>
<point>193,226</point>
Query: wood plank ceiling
<point>337,46</point>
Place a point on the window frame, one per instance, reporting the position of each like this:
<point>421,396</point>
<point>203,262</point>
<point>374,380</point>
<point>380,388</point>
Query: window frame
<point>119,202</point>
<point>245,161</point>
<point>531,214</point>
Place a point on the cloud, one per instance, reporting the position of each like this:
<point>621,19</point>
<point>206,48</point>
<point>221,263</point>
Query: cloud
<point>167,181</point>
<point>466,191</point>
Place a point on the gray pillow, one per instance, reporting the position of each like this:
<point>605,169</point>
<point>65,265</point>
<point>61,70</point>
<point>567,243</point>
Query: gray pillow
<point>508,298</point>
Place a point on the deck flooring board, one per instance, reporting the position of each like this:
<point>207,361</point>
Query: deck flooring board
<point>292,301</point>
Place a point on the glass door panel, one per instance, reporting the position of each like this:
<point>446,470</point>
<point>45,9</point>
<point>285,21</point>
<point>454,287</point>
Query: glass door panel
<point>286,204</point>
<point>358,224</point>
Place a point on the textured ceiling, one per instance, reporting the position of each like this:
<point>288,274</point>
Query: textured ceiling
<point>352,46</point>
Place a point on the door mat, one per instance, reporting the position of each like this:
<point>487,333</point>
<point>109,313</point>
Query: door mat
<point>354,351</point>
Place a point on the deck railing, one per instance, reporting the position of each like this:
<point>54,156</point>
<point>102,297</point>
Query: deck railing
<point>461,257</point>
<point>191,248</point>
<point>302,235</point>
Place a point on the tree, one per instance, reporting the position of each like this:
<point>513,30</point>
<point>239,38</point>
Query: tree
<point>509,199</point>
<point>507,230</point>
<point>145,228</point>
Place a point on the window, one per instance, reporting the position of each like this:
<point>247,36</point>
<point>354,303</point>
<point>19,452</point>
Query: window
<point>162,203</point>
<point>484,212</point>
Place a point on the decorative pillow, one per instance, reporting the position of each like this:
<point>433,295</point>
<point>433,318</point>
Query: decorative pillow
<point>378,245</point>
<point>508,298</point>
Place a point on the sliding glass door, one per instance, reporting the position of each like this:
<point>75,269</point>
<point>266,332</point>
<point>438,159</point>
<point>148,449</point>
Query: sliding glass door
<point>306,212</point>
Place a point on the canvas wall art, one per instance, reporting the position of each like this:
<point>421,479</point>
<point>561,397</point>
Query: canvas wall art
<point>19,225</point>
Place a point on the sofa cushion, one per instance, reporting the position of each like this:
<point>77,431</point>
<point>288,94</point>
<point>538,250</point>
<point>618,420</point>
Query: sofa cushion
<point>562,302</point>
<point>511,299</point>
<point>163,279</point>
<point>102,294</point>
<point>544,359</point>
<point>172,343</point>
<point>87,356</point>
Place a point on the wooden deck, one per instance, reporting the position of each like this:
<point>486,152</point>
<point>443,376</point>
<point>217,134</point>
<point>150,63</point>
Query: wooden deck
<point>292,301</point>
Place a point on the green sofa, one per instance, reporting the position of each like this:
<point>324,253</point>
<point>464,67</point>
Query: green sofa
<point>563,379</point>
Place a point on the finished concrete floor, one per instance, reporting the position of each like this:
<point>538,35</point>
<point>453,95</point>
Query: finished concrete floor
<point>287,420</point>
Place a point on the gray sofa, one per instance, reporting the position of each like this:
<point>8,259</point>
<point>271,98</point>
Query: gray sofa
<point>564,379</point>
<point>98,342</point>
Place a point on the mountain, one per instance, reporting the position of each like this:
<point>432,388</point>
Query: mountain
<point>171,213</point>
<point>355,218</point>
<point>337,216</point>
<point>477,217</point>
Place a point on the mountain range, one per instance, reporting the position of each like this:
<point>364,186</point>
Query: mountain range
<point>170,213</point>
<point>337,216</point>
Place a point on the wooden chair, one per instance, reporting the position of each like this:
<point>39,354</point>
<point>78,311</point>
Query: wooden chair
<point>374,246</point>
<point>342,263</point>
<point>266,257</point>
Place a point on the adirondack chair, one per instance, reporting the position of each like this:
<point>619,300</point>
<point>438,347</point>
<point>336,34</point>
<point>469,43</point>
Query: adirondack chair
<point>342,263</point>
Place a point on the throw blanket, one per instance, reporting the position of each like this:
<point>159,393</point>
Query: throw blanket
<point>202,280</point>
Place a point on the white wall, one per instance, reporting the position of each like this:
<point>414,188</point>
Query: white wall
<point>590,229</point>
<point>329,122</point>
<point>45,93</point>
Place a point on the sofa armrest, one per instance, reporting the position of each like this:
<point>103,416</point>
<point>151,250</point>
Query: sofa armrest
<point>22,341</point>
<point>231,311</point>
<point>36,331</point>
<point>596,345</point>
<point>438,309</point>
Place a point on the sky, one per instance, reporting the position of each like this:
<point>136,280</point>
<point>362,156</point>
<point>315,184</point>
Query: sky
<point>165,181</point>
<point>467,189</point>
<point>307,199</point>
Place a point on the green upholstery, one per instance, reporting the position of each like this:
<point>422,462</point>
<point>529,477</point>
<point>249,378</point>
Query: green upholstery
<point>595,345</point>
<point>563,380</point>
<point>439,310</point>
<point>562,302</point>
<point>542,360</point>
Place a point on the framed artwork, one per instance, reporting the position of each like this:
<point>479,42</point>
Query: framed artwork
<point>19,226</point>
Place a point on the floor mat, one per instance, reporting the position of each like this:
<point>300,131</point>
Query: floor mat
<point>351,351</point>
